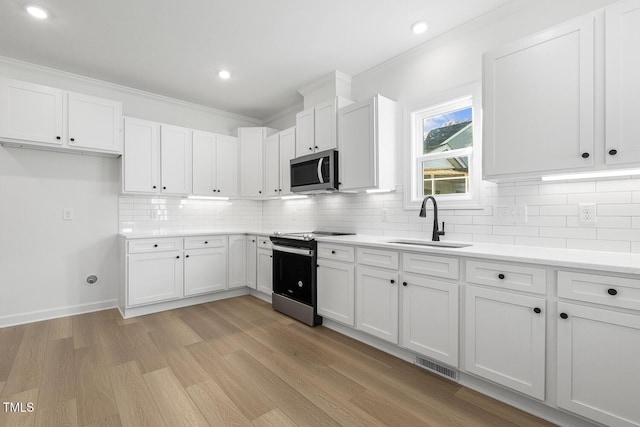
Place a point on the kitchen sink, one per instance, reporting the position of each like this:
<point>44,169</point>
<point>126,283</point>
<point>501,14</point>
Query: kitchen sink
<point>431,243</point>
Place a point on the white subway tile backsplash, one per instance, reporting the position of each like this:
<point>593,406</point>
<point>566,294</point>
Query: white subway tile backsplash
<point>568,188</point>
<point>552,210</point>
<point>569,233</point>
<point>609,198</point>
<point>546,242</point>
<point>544,199</point>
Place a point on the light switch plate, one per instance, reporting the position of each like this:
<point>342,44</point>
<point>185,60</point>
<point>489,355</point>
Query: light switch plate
<point>67,214</point>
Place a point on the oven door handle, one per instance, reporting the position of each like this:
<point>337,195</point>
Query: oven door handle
<point>297,251</point>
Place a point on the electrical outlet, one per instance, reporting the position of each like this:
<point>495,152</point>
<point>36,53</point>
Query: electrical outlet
<point>519,214</point>
<point>385,215</point>
<point>67,214</point>
<point>587,214</point>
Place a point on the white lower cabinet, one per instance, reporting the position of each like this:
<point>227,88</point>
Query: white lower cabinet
<point>430,318</point>
<point>205,270</point>
<point>377,302</point>
<point>237,261</point>
<point>252,260</point>
<point>336,291</point>
<point>598,364</point>
<point>505,339</point>
<point>154,277</point>
<point>264,277</point>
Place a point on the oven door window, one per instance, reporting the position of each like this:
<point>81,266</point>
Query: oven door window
<point>293,276</point>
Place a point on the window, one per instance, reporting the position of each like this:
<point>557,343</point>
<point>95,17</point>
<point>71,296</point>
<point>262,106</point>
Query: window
<point>445,151</point>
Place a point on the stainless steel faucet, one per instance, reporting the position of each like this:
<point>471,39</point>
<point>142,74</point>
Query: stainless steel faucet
<point>435,236</point>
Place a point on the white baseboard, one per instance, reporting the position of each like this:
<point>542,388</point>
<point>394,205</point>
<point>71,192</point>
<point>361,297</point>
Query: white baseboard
<point>183,302</point>
<point>54,313</point>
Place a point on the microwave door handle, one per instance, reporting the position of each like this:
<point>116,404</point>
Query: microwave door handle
<point>320,170</point>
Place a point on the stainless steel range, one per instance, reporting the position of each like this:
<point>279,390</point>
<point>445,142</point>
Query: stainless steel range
<point>294,274</point>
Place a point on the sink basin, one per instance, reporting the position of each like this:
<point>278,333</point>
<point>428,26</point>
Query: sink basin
<point>432,244</point>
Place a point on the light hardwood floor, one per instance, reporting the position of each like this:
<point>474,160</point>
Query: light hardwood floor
<point>230,362</point>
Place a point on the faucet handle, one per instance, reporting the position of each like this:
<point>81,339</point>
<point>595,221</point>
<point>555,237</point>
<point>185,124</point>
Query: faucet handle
<point>441,232</point>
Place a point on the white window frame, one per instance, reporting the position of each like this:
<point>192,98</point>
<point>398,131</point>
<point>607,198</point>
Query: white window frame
<point>450,100</point>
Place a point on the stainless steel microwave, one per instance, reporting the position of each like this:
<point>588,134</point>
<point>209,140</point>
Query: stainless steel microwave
<point>315,173</point>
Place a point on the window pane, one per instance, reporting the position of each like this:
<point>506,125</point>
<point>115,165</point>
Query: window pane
<point>446,176</point>
<point>446,132</point>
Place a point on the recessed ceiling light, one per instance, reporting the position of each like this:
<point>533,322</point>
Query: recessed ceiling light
<point>224,74</point>
<point>37,11</point>
<point>419,27</point>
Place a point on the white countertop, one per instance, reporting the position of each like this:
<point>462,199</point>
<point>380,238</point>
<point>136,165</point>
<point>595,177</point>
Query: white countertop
<point>613,262</point>
<point>569,258</point>
<point>189,233</point>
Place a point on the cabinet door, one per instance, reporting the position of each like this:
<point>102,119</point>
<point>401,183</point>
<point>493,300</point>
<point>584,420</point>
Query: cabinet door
<point>505,339</point>
<point>539,102</point>
<point>251,142</point>
<point>205,270</point>
<point>252,247</point>
<point>598,364</point>
<point>287,152</point>
<point>141,158</point>
<point>358,153</point>
<point>175,156</point>
<point>305,132</point>
<point>325,126</point>
<point>377,302</point>
<point>204,153</point>
<point>237,261</point>
<point>622,32</point>
<point>154,277</point>
<point>226,165</point>
<point>272,166</point>
<point>94,123</point>
<point>336,291</point>
<point>430,318</point>
<point>30,112</point>
<point>265,271</point>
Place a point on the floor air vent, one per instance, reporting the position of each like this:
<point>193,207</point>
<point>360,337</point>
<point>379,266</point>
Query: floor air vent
<point>427,364</point>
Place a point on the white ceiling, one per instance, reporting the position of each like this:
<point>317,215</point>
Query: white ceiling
<point>272,47</point>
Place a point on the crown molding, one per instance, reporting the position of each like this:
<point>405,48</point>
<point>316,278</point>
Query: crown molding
<point>126,89</point>
<point>332,77</point>
<point>293,109</point>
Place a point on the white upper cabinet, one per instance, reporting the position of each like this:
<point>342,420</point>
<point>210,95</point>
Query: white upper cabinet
<point>622,74</point>
<point>539,103</point>
<point>41,116</point>
<point>272,166</point>
<point>251,141</point>
<point>141,158</point>
<point>94,123</point>
<point>305,139</point>
<point>325,125</point>
<point>279,150</point>
<point>316,127</point>
<point>367,134</point>
<point>175,159</point>
<point>215,164</point>
<point>287,152</point>
<point>31,112</point>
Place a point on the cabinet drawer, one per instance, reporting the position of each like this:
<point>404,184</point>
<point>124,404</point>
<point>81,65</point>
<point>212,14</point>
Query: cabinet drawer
<point>336,252</point>
<point>198,242</point>
<point>430,265</point>
<point>507,276</point>
<point>608,290</point>
<point>154,245</point>
<point>264,243</point>
<point>378,258</point>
